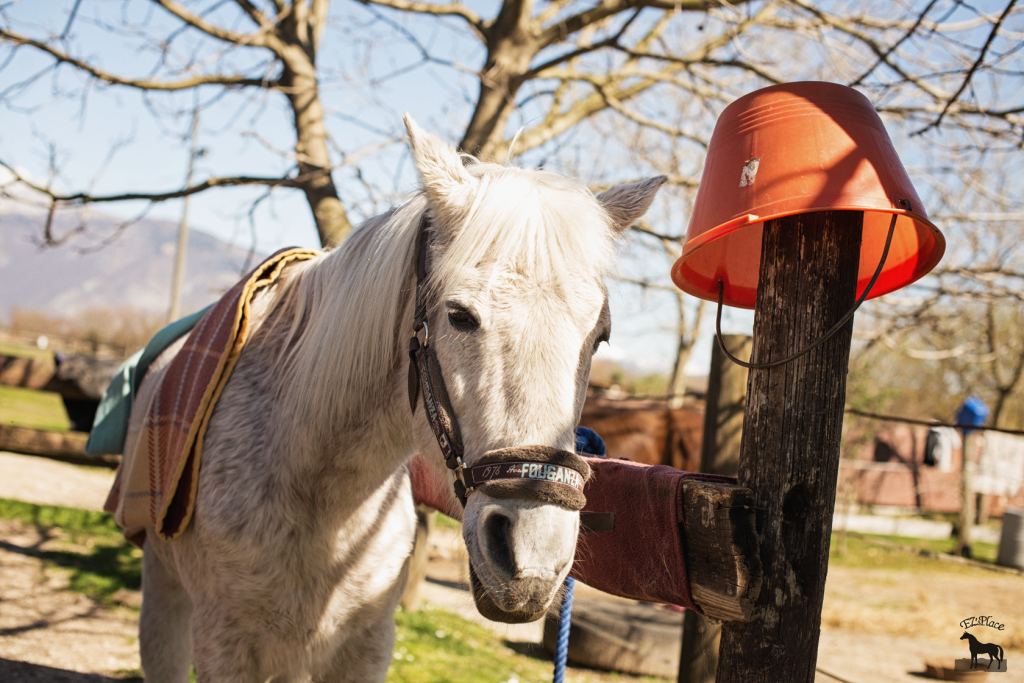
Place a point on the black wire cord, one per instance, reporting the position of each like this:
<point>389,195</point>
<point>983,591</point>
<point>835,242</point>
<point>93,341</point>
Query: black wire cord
<point>835,328</point>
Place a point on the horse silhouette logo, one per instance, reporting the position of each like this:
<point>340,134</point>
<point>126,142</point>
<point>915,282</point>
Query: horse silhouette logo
<point>979,648</point>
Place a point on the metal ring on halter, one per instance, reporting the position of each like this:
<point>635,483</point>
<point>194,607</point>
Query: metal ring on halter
<point>835,328</point>
<point>426,334</point>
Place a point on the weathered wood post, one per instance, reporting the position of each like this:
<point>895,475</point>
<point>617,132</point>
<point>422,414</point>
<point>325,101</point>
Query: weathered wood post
<point>790,452</point>
<point>720,454</point>
<point>426,518</point>
<point>803,211</point>
<point>965,520</point>
<point>973,413</point>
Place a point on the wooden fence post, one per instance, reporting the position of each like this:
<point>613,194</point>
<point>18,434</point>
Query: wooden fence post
<point>426,518</point>
<point>966,517</point>
<point>790,451</point>
<point>726,402</point>
<point>720,454</point>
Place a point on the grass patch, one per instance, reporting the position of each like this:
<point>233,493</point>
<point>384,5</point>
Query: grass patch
<point>445,522</point>
<point>860,553</point>
<point>88,544</point>
<point>980,551</point>
<point>31,408</point>
<point>432,645</point>
<point>8,348</point>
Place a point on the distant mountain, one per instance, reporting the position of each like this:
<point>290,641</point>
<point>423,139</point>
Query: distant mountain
<point>134,270</point>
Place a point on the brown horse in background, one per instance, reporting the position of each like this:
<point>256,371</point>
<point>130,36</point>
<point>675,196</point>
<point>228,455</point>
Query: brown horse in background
<point>647,431</point>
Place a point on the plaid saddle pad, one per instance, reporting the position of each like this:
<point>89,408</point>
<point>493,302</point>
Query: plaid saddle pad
<point>159,474</point>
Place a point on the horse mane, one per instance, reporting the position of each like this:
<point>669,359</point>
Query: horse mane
<point>344,314</point>
<point>347,332</point>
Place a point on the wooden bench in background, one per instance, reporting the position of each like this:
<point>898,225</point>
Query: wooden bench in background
<point>80,381</point>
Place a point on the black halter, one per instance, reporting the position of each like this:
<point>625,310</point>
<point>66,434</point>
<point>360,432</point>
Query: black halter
<point>537,473</point>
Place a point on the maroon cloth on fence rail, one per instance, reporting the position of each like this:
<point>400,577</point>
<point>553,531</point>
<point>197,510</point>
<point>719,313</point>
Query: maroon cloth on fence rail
<point>433,488</point>
<point>643,558</point>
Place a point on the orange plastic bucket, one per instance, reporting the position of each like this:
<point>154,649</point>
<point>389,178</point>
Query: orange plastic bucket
<point>797,148</point>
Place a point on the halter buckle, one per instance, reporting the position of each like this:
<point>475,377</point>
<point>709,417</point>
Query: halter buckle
<point>462,491</point>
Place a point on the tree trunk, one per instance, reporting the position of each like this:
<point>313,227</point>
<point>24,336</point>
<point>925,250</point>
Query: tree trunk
<point>487,126</point>
<point>314,161</point>
<point>725,406</point>
<point>790,451</point>
<point>510,49</point>
<point>677,383</point>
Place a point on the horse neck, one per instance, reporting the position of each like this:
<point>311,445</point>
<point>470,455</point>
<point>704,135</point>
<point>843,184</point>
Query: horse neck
<point>345,348</point>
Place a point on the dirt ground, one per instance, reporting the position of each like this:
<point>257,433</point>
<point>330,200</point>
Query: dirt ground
<point>48,482</point>
<point>878,626</point>
<point>48,633</point>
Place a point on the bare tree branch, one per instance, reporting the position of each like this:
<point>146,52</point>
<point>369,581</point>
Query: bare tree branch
<point>645,229</point>
<point>142,84</point>
<point>882,59</point>
<point>974,67</point>
<point>570,25</point>
<point>71,20</point>
<point>82,198</point>
<point>453,9</point>
<point>612,41</point>
<point>255,14</point>
<point>259,39</point>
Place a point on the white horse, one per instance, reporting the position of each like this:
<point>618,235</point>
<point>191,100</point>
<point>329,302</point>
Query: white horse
<point>294,561</point>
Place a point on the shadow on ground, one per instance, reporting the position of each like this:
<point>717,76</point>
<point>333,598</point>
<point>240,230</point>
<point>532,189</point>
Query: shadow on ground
<point>532,650</point>
<point>12,671</point>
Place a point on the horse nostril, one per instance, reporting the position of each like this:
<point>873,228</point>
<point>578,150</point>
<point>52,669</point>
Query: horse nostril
<point>498,545</point>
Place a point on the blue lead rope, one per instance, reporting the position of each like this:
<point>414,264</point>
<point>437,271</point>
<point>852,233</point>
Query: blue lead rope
<point>564,620</point>
<point>587,441</point>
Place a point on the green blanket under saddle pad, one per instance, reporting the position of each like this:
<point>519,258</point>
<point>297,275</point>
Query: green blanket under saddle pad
<point>110,427</point>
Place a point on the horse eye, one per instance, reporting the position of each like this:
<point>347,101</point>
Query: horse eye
<point>461,319</point>
<point>603,338</point>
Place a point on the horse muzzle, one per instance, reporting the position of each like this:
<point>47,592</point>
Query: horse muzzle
<point>522,538</point>
<point>525,600</point>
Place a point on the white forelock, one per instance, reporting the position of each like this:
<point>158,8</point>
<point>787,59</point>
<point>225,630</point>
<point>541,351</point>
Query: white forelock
<point>534,226</point>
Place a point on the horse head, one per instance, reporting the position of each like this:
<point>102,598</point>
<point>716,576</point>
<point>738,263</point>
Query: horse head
<point>515,309</point>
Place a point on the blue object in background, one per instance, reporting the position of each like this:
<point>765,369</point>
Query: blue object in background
<point>973,412</point>
<point>587,441</point>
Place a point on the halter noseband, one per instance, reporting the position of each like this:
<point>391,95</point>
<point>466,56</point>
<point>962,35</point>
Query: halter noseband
<point>540,473</point>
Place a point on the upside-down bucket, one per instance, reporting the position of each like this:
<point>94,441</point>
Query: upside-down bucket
<point>798,148</point>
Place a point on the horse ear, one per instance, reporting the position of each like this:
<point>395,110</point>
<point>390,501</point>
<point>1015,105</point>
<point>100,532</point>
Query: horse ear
<point>626,203</point>
<point>440,167</point>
